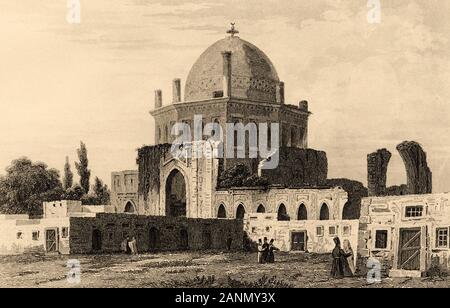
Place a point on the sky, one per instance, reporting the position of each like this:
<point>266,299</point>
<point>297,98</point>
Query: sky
<point>369,85</point>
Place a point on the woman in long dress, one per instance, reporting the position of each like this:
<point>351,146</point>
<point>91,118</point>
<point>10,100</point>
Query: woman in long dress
<point>350,271</point>
<point>339,267</point>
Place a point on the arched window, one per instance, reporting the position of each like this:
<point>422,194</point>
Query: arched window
<point>222,212</point>
<point>282,213</point>
<point>240,212</point>
<point>324,212</point>
<point>302,213</point>
<point>129,208</point>
<point>261,209</point>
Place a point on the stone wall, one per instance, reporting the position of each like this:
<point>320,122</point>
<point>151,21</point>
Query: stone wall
<point>319,235</point>
<point>153,233</point>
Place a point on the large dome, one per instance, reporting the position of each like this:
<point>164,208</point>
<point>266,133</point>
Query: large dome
<point>253,75</point>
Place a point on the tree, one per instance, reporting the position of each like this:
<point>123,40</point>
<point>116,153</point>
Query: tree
<point>82,168</point>
<point>26,185</point>
<point>68,175</point>
<point>73,193</point>
<point>101,192</point>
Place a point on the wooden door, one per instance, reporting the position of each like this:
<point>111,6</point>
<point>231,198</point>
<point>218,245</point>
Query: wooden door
<point>410,249</point>
<point>298,241</point>
<point>51,241</point>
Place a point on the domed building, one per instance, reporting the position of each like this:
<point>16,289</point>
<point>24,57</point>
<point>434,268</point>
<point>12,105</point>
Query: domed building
<point>233,82</point>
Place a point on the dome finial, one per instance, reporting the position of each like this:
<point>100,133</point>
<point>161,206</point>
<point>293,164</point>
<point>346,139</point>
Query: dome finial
<point>232,30</point>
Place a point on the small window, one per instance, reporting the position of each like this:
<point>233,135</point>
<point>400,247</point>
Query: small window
<point>254,230</point>
<point>414,211</point>
<point>332,231</point>
<point>35,236</point>
<point>442,238</point>
<point>381,239</point>
<point>64,232</point>
<point>217,94</point>
<point>319,231</point>
<point>347,230</point>
<point>19,235</point>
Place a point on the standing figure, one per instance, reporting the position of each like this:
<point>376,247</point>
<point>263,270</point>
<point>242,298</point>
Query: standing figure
<point>260,252</point>
<point>349,270</point>
<point>229,242</point>
<point>271,254</point>
<point>265,250</point>
<point>133,246</point>
<point>339,260</point>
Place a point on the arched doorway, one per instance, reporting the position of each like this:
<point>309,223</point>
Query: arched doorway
<point>129,208</point>
<point>222,212</point>
<point>261,209</point>
<point>324,212</point>
<point>176,194</point>
<point>96,240</point>
<point>302,212</point>
<point>153,239</point>
<point>282,213</point>
<point>240,212</point>
<point>184,239</point>
<point>206,239</point>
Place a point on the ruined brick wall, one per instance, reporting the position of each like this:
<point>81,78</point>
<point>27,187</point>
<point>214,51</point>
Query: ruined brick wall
<point>417,170</point>
<point>153,233</point>
<point>299,168</point>
<point>377,164</point>
<point>356,192</point>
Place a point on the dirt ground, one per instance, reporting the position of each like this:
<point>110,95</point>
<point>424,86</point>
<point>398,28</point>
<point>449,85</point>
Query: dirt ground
<point>187,269</point>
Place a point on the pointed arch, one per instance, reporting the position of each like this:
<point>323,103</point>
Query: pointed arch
<point>129,208</point>
<point>240,211</point>
<point>302,213</point>
<point>222,212</point>
<point>261,209</point>
<point>324,212</point>
<point>282,213</point>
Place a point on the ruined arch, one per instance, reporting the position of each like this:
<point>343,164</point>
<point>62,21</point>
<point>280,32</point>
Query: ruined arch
<point>302,213</point>
<point>176,194</point>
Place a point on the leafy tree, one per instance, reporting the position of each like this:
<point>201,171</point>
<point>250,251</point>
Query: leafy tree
<point>68,175</point>
<point>82,168</point>
<point>73,193</point>
<point>101,192</point>
<point>26,185</point>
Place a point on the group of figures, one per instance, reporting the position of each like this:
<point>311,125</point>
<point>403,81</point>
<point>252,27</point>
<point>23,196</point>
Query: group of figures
<point>266,251</point>
<point>343,260</point>
<point>129,246</point>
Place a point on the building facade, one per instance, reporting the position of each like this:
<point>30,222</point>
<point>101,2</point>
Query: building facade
<point>406,233</point>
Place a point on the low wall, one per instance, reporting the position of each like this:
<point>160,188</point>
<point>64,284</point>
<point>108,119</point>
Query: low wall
<point>152,233</point>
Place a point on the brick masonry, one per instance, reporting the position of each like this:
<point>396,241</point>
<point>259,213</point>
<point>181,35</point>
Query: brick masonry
<point>153,233</point>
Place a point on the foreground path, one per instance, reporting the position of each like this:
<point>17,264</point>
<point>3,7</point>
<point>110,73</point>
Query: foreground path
<point>185,270</point>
